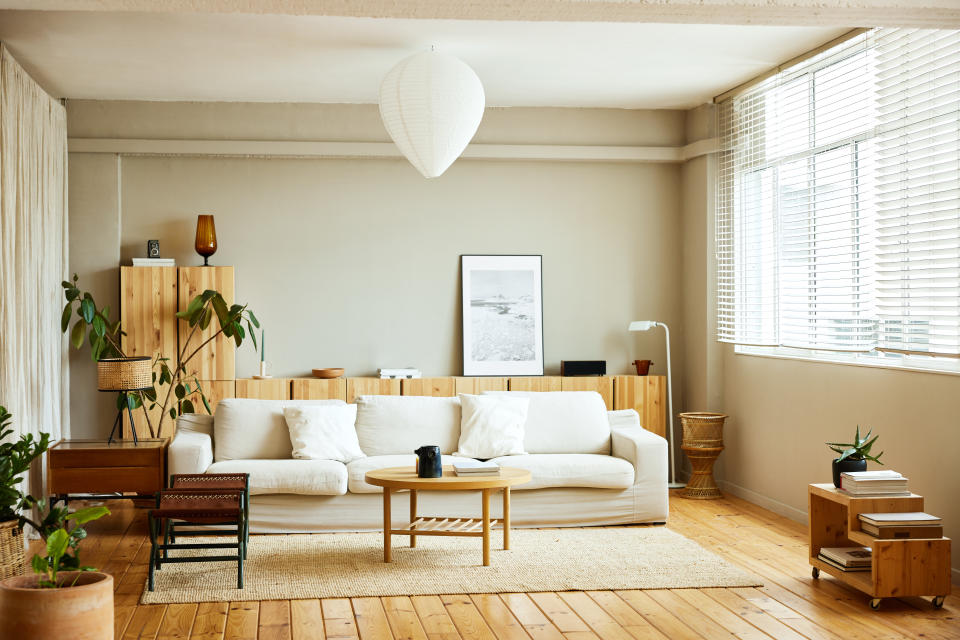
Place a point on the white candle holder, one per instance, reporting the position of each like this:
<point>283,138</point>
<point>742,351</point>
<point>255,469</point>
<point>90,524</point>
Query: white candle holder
<point>263,371</point>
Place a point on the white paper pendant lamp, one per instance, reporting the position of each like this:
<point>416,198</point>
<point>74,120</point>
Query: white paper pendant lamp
<point>431,105</point>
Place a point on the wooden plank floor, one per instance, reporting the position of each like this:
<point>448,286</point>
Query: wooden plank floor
<point>789,605</point>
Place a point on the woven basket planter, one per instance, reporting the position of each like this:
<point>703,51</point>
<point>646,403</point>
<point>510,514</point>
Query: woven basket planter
<point>12,556</point>
<point>702,442</point>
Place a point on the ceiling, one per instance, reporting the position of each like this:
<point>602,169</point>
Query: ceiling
<point>133,55</point>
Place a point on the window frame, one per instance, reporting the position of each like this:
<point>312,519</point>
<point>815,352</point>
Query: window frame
<point>877,356</point>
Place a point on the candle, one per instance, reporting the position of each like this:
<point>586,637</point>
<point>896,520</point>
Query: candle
<point>263,346</point>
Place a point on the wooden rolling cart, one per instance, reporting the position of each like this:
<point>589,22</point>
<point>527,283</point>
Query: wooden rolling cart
<point>900,567</point>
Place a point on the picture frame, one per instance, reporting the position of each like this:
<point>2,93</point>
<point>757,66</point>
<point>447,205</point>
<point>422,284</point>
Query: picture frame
<point>502,298</point>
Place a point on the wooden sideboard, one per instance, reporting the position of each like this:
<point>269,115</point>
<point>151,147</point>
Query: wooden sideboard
<point>151,296</point>
<point>646,394</point>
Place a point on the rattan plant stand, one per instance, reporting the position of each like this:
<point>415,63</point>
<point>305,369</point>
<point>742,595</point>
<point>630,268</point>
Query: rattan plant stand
<point>702,443</point>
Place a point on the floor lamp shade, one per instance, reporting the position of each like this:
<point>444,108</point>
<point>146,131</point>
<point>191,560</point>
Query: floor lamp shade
<point>431,105</point>
<point>124,374</point>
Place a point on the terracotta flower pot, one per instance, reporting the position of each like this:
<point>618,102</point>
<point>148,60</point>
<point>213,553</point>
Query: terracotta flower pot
<point>81,612</point>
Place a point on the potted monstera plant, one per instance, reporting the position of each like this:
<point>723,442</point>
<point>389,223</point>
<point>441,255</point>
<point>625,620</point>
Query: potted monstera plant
<point>15,458</point>
<point>63,598</point>
<point>853,455</point>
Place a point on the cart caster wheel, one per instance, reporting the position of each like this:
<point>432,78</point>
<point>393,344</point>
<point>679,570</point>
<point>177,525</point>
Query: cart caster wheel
<point>815,573</point>
<point>938,601</point>
<point>875,604</point>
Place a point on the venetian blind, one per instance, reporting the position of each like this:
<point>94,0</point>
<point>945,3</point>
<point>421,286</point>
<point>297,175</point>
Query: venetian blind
<point>838,211</point>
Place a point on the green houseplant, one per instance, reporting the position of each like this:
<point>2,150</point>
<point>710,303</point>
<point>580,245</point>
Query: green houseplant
<point>15,459</point>
<point>853,455</point>
<point>173,391</point>
<point>63,598</point>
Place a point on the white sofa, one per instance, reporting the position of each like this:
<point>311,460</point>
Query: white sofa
<point>589,466</point>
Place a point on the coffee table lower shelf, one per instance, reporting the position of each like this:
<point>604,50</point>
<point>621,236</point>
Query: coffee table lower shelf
<point>427,526</point>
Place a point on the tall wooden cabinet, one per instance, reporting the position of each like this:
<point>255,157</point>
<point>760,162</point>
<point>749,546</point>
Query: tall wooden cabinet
<point>149,300</point>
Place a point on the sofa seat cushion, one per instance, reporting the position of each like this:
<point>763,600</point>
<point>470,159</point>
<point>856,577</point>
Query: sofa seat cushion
<point>304,477</point>
<point>564,421</point>
<point>357,469</point>
<point>549,470</point>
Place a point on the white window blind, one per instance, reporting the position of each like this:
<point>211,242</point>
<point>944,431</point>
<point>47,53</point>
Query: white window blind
<point>838,205</point>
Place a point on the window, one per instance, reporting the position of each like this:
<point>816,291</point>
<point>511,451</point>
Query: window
<point>838,205</point>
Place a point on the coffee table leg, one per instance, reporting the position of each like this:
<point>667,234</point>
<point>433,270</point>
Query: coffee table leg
<point>506,518</point>
<point>486,527</point>
<point>413,515</point>
<point>387,524</point>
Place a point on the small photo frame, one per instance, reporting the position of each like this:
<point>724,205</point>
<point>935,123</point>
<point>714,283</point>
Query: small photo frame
<point>502,315</point>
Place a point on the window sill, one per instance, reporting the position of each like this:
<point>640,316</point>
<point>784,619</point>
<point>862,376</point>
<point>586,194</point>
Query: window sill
<point>945,366</point>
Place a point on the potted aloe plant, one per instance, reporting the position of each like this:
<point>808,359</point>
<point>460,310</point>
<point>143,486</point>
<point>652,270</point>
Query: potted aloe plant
<point>15,459</point>
<point>63,598</point>
<point>853,455</point>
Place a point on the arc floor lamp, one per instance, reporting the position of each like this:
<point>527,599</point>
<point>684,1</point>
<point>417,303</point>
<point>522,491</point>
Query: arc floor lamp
<point>647,325</point>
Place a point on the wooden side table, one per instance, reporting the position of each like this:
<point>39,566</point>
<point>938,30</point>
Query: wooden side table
<point>96,467</point>
<point>900,567</point>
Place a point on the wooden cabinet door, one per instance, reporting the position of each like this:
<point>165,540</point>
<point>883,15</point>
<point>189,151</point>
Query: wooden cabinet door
<point>216,360</point>
<point>647,395</point>
<point>441,387</point>
<point>601,384</point>
<point>148,307</point>
<point>266,389</point>
<point>319,389</point>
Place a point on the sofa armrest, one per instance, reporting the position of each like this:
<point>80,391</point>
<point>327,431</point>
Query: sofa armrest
<point>646,451</point>
<point>190,452</point>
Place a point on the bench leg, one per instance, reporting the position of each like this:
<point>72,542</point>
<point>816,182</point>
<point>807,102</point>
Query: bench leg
<point>241,551</point>
<point>246,522</point>
<point>168,536</point>
<point>151,524</point>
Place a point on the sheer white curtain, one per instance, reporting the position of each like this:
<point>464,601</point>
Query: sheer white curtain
<point>33,256</point>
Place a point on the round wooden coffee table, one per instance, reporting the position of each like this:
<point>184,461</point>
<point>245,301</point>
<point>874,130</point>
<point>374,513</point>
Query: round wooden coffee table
<point>396,478</point>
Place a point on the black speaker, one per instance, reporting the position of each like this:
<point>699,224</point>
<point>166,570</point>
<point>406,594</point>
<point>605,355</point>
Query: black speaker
<point>583,367</point>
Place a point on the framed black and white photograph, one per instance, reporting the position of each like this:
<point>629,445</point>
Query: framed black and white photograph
<point>502,315</point>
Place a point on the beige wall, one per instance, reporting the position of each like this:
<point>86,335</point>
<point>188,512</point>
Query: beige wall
<point>782,411</point>
<point>355,262</point>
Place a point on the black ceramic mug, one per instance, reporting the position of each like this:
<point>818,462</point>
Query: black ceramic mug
<point>429,465</point>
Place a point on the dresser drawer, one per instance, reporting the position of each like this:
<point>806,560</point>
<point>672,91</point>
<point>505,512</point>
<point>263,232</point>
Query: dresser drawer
<point>95,458</point>
<point>105,480</point>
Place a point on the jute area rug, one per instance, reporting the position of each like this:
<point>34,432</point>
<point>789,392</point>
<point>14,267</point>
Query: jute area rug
<point>282,567</point>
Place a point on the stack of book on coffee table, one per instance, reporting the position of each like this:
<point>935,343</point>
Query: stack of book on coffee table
<point>873,483</point>
<point>912,524</point>
<point>470,467</point>
<point>847,558</point>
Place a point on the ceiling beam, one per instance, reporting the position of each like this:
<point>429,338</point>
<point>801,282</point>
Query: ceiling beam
<point>944,14</point>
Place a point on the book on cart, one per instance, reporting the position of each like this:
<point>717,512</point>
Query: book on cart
<point>907,524</point>
<point>837,565</point>
<point>471,467</point>
<point>884,482</point>
<point>847,558</point>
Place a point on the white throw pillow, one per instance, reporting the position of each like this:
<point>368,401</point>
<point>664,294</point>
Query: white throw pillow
<point>324,432</point>
<point>491,426</point>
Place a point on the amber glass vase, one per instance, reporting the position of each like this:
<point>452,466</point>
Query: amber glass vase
<point>206,244</point>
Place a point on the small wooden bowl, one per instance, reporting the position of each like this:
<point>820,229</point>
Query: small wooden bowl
<point>328,373</point>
